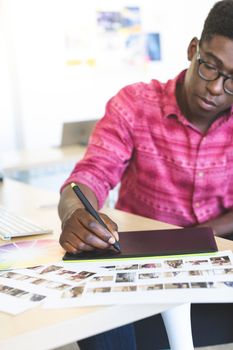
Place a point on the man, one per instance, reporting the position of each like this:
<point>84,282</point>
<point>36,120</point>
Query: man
<point>171,147</point>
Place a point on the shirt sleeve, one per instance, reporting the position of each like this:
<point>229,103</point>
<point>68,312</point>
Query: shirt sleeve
<point>110,148</point>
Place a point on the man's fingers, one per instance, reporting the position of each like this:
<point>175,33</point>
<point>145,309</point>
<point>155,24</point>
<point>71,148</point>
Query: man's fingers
<point>88,241</point>
<point>81,232</point>
<point>68,247</point>
<point>95,227</point>
<point>112,226</point>
<point>71,243</point>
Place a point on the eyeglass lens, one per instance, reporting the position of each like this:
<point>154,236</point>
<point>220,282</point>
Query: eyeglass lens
<point>210,73</point>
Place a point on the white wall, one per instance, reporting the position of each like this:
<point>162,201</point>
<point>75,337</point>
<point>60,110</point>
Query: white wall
<point>39,91</point>
<point>7,133</point>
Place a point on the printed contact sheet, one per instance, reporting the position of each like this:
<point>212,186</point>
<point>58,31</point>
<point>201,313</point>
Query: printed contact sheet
<point>176,279</point>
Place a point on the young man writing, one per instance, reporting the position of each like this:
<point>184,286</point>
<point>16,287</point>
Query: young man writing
<point>170,145</point>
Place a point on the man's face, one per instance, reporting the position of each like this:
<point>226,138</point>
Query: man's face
<point>207,99</point>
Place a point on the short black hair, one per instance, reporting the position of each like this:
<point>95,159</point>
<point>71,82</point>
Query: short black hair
<point>219,21</point>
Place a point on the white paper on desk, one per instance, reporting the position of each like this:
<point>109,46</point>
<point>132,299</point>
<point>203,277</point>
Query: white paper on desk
<point>14,300</point>
<point>26,287</point>
<point>150,280</point>
<point>158,297</point>
<point>154,280</point>
<point>12,306</point>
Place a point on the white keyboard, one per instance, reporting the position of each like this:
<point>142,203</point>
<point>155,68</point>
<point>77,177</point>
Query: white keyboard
<point>12,225</point>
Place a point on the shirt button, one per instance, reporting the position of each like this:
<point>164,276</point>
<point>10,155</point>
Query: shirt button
<point>201,174</point>
<point>197,204</point>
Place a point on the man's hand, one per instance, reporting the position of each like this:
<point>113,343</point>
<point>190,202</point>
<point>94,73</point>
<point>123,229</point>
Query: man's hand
<point>81,232</point>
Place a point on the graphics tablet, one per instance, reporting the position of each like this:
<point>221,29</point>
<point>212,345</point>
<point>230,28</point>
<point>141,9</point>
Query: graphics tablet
<point>180,241</point>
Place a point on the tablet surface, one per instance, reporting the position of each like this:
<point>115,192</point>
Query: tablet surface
<point>193,240</point>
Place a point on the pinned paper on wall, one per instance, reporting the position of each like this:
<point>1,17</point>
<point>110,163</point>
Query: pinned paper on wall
<point>116,37</point>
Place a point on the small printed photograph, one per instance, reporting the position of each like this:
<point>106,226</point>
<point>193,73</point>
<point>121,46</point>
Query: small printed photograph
<point>61,286</point>
<point>221,261</point>
<point>110,267</point>
<point>127,267</point>
<point>197,262</point>
<point>199,285</point>
<point>51,268</point>
<point>145,276</point>
<point>125,277</point>
<point>39,281</point>
<point>124,289</point>
<point>223,271</point>
<point>152,46</point>
<point>19,293</point>
<point>131,18</point>
<point>4,289</point>
<point>176,285</point>
<point>25,278</point>
<point>101,279</point>
<point>150,287</point>
<point>194,273</point>
<point>169,274</point>
<point>22,294</point>
<point>65,273</point>
<point>229,284</point>
<point>174,264</point>
<point>51,284</point>
<point>206,272</point>
<point>18,276</point>
<point>10,274</point>
<point>81,276</point>
<point>15,292</point>
<point>35,268</point>
<point>75,292</point>
<point>223,284</point>
<point>150,266</point>
<point>99,290</point>
<point>128,18</point>
<point>36,297</point>
<point>109,21</point>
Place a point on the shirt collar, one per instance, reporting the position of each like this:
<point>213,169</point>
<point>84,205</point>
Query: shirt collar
<point>169,103</point>
<point>225,117</point>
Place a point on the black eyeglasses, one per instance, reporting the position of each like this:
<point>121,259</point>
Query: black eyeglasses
<point>209,72</point>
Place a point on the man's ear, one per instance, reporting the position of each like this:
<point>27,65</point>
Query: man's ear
<point>192,48</point>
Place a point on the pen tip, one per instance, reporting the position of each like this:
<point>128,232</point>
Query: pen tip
<point>117,246</point>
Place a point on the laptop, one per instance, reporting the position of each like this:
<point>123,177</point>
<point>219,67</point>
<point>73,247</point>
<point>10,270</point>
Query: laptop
<point>77,132</point>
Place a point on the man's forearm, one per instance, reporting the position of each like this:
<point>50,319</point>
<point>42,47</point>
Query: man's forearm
<point>69,202</point>
<point>223,225</point>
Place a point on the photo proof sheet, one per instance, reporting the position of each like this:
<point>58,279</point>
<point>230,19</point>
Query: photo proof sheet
<point>176,279</point>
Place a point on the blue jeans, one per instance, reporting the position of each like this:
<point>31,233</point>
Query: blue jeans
<point>150,333</point>
<point>122,338</point>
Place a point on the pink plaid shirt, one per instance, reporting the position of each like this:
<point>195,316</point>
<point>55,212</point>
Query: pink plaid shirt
<point>168,169</point>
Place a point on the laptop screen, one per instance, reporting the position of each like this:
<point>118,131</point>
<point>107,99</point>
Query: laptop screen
<point>77,132</point>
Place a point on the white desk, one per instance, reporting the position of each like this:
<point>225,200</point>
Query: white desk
<point>41,329</point>
<point>45,168</point>
<point>29,159</point>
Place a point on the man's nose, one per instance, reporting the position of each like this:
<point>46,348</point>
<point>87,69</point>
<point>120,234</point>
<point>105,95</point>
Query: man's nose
<point>215,87</point>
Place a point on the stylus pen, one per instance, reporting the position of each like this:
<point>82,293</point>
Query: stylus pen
<point>92,211</point>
